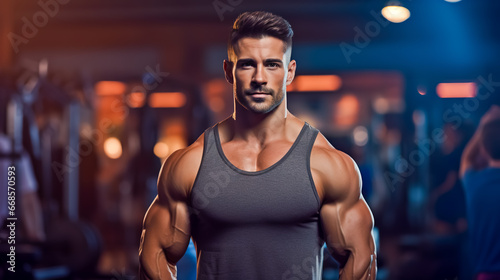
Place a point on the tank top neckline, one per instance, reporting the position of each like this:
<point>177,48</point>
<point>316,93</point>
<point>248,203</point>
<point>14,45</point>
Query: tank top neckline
<point>246,172</point>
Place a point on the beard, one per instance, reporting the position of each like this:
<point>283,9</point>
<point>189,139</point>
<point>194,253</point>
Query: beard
<point>260,105</point>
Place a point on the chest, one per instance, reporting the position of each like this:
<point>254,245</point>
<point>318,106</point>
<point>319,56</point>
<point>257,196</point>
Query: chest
<point>280,195</point>
<point>248,158</point>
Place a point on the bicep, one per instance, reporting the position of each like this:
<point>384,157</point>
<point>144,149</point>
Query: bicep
<point>357,226</point>
<point>347,227</point>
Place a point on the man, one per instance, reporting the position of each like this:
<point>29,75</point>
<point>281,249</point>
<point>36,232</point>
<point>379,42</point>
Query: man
<point>480,173</point>
<point>261,191</point>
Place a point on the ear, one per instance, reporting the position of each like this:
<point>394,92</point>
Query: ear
<point>228,71</point>
<point>291,72</point>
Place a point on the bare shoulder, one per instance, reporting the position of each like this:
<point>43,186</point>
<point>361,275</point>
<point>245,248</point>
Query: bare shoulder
<point>179,170</point>
<point>335,173</point>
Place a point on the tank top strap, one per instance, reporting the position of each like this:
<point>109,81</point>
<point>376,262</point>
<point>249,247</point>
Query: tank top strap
<point>305,142</point>
<point>209,136</point>
<point>210,154</point>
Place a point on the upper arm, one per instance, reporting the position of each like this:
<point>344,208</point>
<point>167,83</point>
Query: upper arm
<point>346,218</point>
<point>166,228</point>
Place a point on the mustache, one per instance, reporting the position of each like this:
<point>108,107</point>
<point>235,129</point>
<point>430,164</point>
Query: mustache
<point>259,90</point>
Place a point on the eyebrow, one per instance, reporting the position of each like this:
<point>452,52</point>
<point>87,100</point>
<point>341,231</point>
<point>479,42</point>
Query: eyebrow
<point>273,60</point>
<point>245,60</point>
<point>269,60</point>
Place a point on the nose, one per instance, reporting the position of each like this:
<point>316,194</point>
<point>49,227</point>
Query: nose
<point>259,77</point>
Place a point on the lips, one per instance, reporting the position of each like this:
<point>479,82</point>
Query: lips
<point>258,94</point>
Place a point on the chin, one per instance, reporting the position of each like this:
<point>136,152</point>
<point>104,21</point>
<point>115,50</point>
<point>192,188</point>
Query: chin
<point>259,106</point>
<point>262,108</point>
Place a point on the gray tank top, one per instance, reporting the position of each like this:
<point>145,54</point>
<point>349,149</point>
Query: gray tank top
<point>257,225</point>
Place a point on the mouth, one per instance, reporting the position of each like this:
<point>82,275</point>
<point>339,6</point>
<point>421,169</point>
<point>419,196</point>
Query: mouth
<point>258,93</point>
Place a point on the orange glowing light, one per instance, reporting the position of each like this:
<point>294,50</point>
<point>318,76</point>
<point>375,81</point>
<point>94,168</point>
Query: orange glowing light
<point>136,99</point>
<point>346,110</point>
<point>106,88</point>
<point>315,83</point>
<point>216,87</point>
<point>161,149</point>
<point>216,104</point>
<point>113,147</point>
<point>422,90</point>
<point>167,100</point>
<point>456,90</point>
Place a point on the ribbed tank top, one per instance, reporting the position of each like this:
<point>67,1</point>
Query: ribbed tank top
<point>257,225</point>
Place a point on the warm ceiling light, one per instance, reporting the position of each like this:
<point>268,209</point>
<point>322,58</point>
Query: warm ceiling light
<point>104,88</point>
<point>395,12</point>
<point>315,83</point>
<point>452,1</point>
<point>113,147</point>
<point>456,90</point>
<point>167,100</point>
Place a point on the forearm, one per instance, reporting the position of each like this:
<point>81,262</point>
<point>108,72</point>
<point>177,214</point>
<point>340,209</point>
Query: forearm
<point>156,267</point>
<point>161,247</point>
<point>362,258</point>
<point>362,268</point>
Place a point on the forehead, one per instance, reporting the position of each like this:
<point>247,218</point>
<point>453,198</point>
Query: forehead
<point>266,46</point>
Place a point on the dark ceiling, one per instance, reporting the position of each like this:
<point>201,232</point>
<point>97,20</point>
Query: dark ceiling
<point>119,38</point>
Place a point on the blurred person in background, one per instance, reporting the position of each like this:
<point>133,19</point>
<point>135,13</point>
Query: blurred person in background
<point>447,197</point>
<point>480,173</point>
<point>261,191</point>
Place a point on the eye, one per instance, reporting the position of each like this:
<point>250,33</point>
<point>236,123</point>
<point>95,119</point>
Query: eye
<point>273,65</point>
<point>246,64</point>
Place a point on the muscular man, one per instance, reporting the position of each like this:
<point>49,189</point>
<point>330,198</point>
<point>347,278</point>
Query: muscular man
<point>261,191</point>
<point>480,172</point>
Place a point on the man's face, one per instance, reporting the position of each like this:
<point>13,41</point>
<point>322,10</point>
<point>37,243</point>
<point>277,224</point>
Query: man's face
<point>260,72</point>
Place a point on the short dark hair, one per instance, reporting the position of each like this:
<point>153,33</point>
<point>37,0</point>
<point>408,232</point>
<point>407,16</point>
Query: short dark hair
<point>491,138</point>
<point>257,25</point>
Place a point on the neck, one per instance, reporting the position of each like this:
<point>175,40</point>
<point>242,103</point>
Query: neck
<point>248,125</point>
